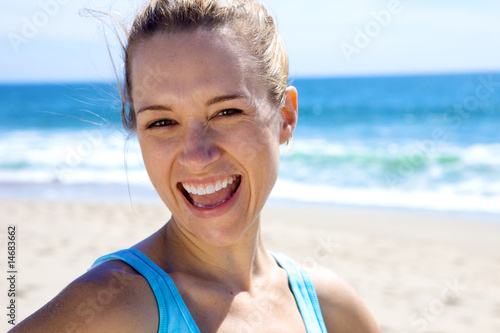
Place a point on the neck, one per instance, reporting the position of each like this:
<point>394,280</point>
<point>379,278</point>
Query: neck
<point>236,265</point>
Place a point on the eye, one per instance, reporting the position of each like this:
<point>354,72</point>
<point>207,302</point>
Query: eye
<point>229,112</point>
<point>161,123</point>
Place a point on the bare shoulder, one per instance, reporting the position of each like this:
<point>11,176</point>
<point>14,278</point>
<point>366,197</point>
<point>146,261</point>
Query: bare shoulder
<point>111,297</point>
<point>342,308</point>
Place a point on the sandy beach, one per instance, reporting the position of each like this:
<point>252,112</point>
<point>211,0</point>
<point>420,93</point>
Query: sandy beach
<point>417,271</point>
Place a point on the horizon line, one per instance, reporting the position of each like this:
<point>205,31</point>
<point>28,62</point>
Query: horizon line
<point>291,77</point>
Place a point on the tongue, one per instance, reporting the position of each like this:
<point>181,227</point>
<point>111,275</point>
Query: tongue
<point>216,198</point>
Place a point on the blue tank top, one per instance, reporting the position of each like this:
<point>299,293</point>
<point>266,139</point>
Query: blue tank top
<point>175,316</point>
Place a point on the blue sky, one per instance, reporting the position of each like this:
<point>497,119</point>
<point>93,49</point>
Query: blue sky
<point>47,40</point>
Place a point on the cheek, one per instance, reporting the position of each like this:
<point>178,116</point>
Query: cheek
<point>256,143</point>
<point>154,155</point>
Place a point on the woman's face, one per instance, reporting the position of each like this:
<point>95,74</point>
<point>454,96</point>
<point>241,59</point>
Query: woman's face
<point>209,136</point>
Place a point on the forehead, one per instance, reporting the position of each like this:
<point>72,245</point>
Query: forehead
<point>192,63</point>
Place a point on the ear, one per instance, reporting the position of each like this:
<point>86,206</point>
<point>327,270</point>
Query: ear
<point>289,114</point>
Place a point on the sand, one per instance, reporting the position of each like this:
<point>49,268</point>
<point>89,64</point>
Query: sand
<point>416,271</point>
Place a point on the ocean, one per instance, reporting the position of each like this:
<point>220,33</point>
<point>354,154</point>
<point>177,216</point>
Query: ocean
<point>417,142</point>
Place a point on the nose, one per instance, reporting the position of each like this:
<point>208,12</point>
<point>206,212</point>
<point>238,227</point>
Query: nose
<point>199,149</point>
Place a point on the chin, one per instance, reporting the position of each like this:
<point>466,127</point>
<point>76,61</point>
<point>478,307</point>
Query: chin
<point>222,232</point>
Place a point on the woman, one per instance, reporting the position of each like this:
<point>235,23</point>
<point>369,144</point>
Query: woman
<point>206,89</point>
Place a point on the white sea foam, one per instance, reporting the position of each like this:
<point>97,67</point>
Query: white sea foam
<point>441,199</point>
<point>316,170</point>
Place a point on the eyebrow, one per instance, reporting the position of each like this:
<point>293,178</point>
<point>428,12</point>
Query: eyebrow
<point>154,108</point>
<point>220,99</point>
<point>215,100</point>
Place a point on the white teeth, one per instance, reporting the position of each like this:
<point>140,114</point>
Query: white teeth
<point>201,190</point>
<point>218,186</point>
<point>193,190</point>
<point>210,188</point>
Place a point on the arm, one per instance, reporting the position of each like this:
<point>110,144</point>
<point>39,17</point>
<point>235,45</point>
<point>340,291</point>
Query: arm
<point>108,298</point>
<point>343,310</point>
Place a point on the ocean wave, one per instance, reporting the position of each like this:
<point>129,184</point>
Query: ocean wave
<point>402,166</point>
<point>443,198</point>
<point>446,176</point>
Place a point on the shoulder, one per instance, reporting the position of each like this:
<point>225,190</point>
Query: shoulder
<point>342,308</point>
<point>111,297</point>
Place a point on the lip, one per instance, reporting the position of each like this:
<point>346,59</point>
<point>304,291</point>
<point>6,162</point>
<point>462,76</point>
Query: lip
<point>209,180</point>
<point>217,211</point>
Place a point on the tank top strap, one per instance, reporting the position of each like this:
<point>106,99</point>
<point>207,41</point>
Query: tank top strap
<point>304,293</point>
<point>174,315</point>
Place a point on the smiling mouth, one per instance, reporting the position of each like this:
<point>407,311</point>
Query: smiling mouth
<point>210,195</point>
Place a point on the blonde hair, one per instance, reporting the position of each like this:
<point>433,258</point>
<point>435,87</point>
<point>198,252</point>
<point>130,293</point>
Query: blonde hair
<point>248,19</point>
